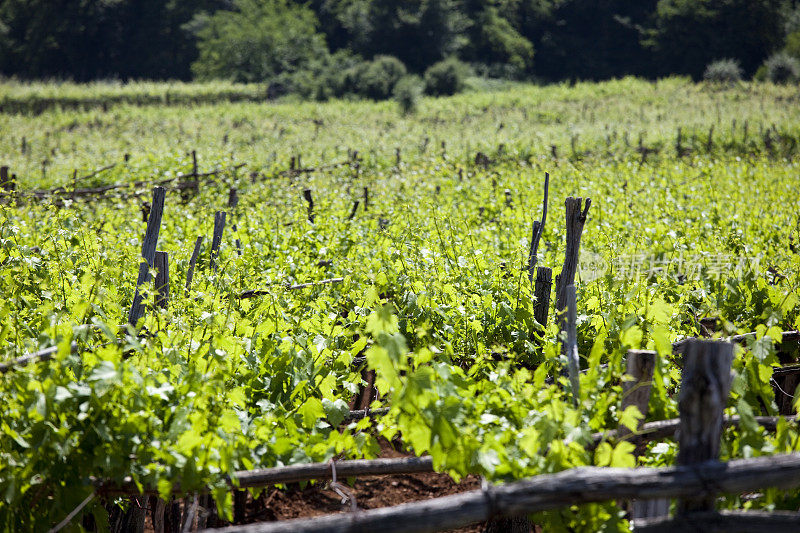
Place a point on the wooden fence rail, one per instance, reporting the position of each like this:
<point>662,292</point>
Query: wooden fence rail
<point>553,491</point>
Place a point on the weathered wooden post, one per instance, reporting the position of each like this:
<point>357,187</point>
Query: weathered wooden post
<point>310,200</point>
<point>575,222</point>
<point>233,201</point>
<point>704,393</point>
<point>148,252</point>
<point>353,211</point>
<point>161,264</point>
<point>541,294</point>
<point>190,184</point>
<point>366,199</point>
<point>192,262</point>
<point>636,389</point>
<point>536,232</point>
<point>7,183</point>
<point>216,239</point>
<point>570,345</point>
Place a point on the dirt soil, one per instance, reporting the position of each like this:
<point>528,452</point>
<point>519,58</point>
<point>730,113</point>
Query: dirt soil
<point>370,493</point>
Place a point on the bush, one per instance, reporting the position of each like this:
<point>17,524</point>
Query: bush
<point>782,68</point>
<point>407,93</point>
<point>446,77</point>
<point>723,71</point>
<point>375,79</point>
<point>257,40</point>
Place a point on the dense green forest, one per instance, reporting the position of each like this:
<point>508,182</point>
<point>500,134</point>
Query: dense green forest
<point>292,41</point>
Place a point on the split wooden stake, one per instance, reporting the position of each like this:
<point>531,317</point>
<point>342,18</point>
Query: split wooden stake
<point>216,240</point>
<point>161,264</point>
<point>148,252</point>
<point>538,229</point>
<point>193,262</point>
<point>704,393</point>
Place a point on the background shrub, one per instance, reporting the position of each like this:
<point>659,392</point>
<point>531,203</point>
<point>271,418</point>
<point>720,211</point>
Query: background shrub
<point>782,68</point>
<point>446,77</point>
<point>723,71</point>
<point>407,93</point>
<point>375,79</point>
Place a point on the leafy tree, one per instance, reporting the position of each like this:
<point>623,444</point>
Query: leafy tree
<point>494,37</point>
<point>586,39</point>
<point>418,32</point>
<point>688,34</point>
<point>90,39</point>
<point>257,40</point>
<point>61,38</point>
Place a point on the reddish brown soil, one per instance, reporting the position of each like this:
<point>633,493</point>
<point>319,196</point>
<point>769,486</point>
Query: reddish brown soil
<point>369,492</point>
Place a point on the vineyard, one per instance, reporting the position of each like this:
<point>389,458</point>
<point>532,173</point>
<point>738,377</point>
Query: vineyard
<point>534,288</point>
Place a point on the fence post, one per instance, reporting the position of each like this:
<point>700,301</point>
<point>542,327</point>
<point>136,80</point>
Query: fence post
<point>704,392</point>
<point>570,345</point>
<point>7,183</point>
<point>538,229</point>
<point>216,240</point>
<point>161,264</point>
<point>192,262</point>
<point>310,200</point>
<point>233,201</point>
<point>541,293</point>
<point>190,184</point>
<point>636,391</point>
<point>148,252</point>
<point>575,222</point>
<point>353,211</point>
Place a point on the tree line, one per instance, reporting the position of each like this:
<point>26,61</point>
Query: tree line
<point>289,41</point>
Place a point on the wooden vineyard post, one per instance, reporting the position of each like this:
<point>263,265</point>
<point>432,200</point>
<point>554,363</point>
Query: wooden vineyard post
<point>233,198</point>
<point>310,200</point>
<point>636,389</point>
<point>239,506</point>
<point>536,232</point>
<point>148,252</point>
<point>161,264</point>
<point>191,183</point>
<point>575,221</point>
<point>7,183</point>
<point>193,262</point>
<point>541,293</point>
<point>354,210</point>
<point>704,392</point>
<point>216,240</point>
<point>233,201</point>
<point>366,199</point>
<point>570,345</point>
<point>641,365</point>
